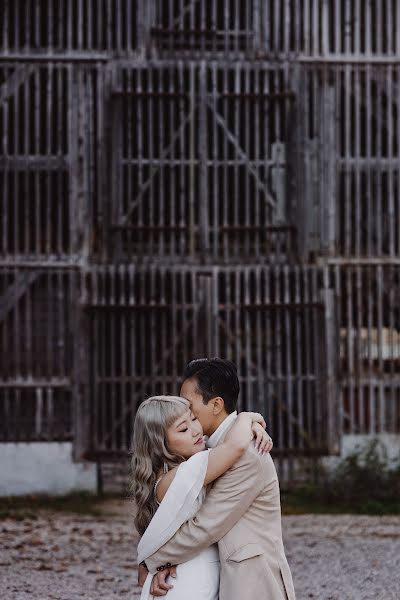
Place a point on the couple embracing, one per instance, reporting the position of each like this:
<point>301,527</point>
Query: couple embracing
<point>211,507</point>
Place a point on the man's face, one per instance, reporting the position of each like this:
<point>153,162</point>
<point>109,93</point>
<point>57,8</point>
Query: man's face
<point>203,412</point>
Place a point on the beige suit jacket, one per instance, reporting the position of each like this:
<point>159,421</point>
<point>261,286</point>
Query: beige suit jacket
<point>242,513</point>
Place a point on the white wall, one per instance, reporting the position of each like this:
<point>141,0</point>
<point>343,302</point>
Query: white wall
<point>43,467</point>
<point>351,443</point>
<point>389,441</point>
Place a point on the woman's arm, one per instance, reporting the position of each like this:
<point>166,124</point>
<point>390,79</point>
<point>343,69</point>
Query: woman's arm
<point>224,456</point>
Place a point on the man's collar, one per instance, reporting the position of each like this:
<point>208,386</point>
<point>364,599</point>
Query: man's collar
<point>218,435</point>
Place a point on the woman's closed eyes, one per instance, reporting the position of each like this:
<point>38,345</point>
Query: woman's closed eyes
<point>184,430</point>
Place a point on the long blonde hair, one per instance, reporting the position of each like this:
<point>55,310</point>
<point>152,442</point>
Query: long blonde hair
<point>150,451</point>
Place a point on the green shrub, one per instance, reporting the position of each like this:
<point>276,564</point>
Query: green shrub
<point>364,483</point>
<point>364,476</point>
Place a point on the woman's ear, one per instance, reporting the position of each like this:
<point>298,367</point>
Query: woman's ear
<point>218,406</point>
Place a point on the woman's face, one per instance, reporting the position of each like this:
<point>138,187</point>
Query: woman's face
<point>185,435</point>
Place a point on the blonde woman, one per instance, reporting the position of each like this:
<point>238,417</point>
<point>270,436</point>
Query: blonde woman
<point>171,469</point>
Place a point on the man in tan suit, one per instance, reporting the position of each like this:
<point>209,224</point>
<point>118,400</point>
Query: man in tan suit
<point>241,511</point>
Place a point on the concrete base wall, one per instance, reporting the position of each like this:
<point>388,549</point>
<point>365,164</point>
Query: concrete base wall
<point>43,467</point>
<point>388,447</point>
<point>388,441</point>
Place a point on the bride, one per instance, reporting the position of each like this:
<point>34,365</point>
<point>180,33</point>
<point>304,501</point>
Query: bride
<point>171,469</point>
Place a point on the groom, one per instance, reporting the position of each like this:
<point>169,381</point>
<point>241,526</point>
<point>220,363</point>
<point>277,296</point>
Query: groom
<point>242,509</point>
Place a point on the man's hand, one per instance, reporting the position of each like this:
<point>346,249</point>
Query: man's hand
<point>159,586</point>
<point>142,575</point>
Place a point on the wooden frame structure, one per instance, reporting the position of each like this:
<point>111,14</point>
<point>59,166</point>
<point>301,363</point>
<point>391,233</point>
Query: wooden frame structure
<point>181,177</point>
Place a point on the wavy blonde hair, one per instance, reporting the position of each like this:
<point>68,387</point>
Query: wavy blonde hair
<point>150,451</point>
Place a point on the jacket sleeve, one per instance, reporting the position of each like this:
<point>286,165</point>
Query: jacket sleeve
<point>227,501</point>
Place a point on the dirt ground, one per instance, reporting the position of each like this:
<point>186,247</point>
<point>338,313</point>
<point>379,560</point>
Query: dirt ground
<point>53,555</point>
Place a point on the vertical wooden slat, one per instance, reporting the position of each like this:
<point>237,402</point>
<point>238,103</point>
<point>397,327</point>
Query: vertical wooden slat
<point>113,396</point>
<point>308,397</point>
<point>182,168</point>
<point>288,360</point>
<point>47,200</point>
<point>390,170</point>
<point>378,171</point>
<point>29,149</point>
<point>20,143</point>
<point>394,351</point>
<point>132,169</point>
<point>225,196</point>
<point>358,337</point>
<point>246,331</point>
<point>6,23</point>
<point>65,284</point>
<point>173,127</point>
<point>248,198</point>
<point>338,28</point>
<point>58,191</point>
<point>380,343</point>
<point>48,294</point>
<point>5,174</point>
<point>131,335</point>
<point>369,114</point>
<point>203,155</point>
<point>160,137</point>
<point>236,72</point>
<point>192,153</point>
<point>299,357</point>
<point>152,327</point>
<point>396,22</point>
<point>316,49</point>
<point>215,179</point>
<point>378,27</point>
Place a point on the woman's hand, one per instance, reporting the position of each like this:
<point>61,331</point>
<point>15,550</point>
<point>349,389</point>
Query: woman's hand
<point>256,418</point>
<point>247,426</point>
<point>240,435</point>
<point>263,441</point>
<point>242,431</point>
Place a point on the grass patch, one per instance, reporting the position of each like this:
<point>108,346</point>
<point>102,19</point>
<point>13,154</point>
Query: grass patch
<point>26,507</point>
<point>312,500</point>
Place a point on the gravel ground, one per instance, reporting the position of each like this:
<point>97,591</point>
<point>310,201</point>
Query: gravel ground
<point>49,555</point>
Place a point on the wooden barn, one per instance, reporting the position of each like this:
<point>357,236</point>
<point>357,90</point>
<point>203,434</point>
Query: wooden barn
<point>183,178</point>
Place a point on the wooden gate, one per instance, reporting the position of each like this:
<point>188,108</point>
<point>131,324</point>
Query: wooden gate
<point>199,161</point>
<point>36,341</point>
<point>146,323</point>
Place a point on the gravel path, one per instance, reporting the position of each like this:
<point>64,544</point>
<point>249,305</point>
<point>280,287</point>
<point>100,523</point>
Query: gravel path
<point>344,557</point>
<point>56,556</point>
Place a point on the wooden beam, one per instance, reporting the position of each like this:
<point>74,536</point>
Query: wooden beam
<point>20,286</point>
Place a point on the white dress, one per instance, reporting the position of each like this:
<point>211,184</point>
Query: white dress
<point>198,578</point>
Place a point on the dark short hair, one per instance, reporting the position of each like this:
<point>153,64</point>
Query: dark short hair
<point>215,377</point>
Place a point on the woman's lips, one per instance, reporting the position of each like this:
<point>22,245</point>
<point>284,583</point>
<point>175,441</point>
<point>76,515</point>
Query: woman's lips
<point>199,441</point>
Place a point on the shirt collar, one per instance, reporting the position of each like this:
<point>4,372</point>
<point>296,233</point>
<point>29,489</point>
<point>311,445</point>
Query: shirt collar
<point>218,435</point>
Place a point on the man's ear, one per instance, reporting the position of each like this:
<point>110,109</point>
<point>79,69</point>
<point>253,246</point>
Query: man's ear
<point>218,406</point>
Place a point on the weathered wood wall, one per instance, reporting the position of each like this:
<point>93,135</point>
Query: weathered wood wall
<point>182,177</point>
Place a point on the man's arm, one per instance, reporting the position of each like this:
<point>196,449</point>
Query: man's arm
<point>228,500</point>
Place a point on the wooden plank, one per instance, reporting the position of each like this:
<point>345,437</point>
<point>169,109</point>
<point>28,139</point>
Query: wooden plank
<point>203,155</point>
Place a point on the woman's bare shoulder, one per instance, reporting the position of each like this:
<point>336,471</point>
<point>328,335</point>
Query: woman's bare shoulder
<point>164,484</point>
<point>191,465</point>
